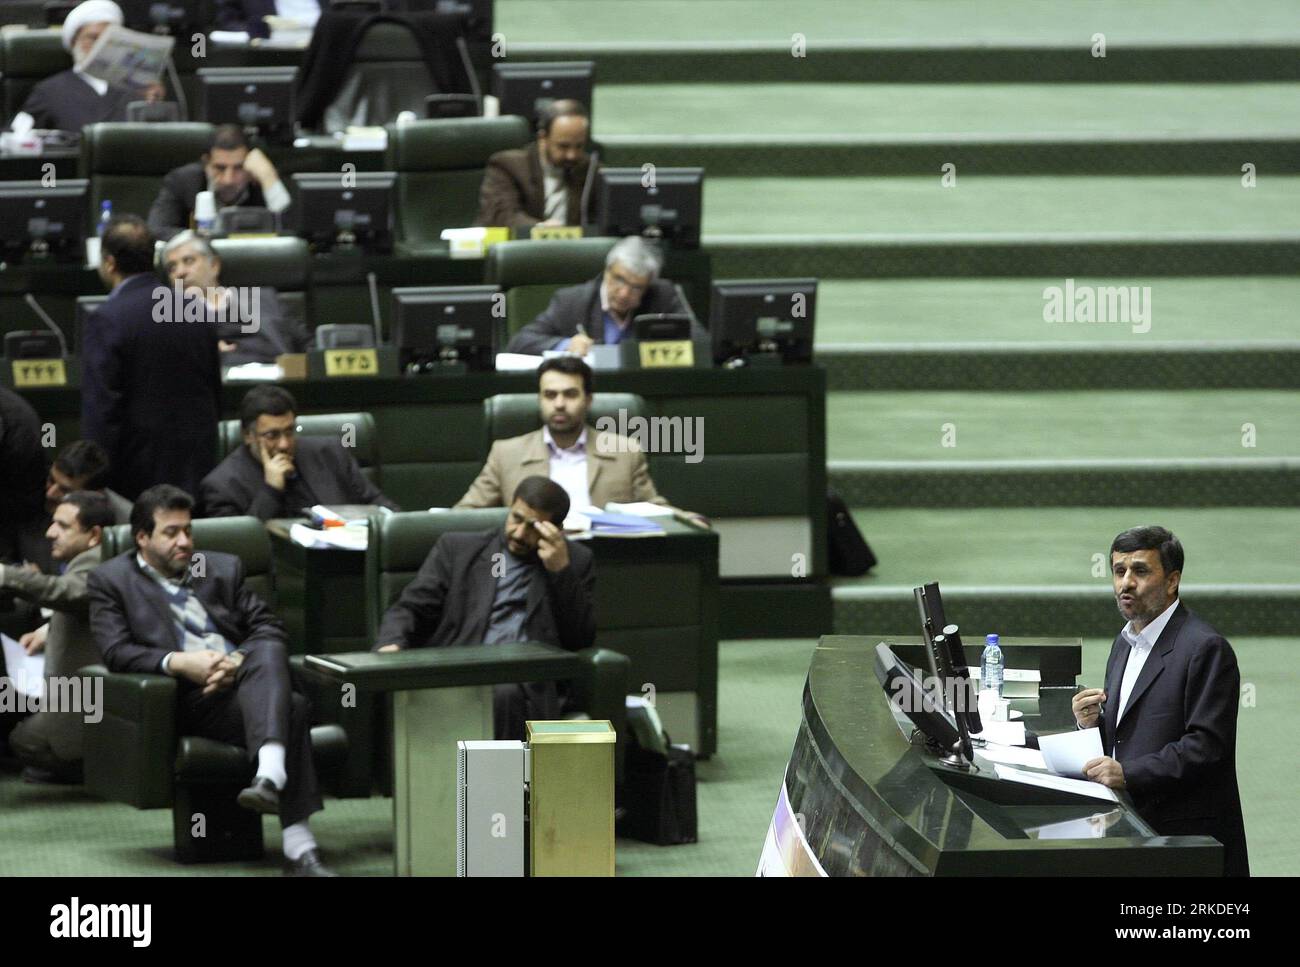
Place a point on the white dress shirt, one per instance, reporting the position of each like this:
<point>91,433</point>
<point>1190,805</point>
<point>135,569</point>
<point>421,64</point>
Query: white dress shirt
<point>569,468</point>
<point>1140,646</point>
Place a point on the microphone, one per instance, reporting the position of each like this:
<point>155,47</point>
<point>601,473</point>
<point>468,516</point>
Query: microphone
<point>49,323</point>
<point>592,165</point>
<point>474,87</point>
<point>374,306</point>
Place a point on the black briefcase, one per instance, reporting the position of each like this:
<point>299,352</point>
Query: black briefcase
<point>849,553</point>
<point>659,795</point>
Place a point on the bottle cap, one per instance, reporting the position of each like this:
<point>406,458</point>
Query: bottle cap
<point>990,639</point>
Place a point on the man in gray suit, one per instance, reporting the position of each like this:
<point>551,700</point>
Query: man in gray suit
<point>602,310</point>
<point>49,743</point>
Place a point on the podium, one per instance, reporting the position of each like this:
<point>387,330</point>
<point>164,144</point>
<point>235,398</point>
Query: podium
<point>861,797</point>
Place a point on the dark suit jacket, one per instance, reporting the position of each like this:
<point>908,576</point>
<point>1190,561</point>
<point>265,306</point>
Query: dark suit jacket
<point>237,486</point>
<point>22,477</point>
<point>132,622</point>
<point>245,15</point>
<point>171,210</point>
<point>581,304</point>
<point>1177,741</point>
<point>449,602</point>
<point>150,391</point>
<point>513,193</point>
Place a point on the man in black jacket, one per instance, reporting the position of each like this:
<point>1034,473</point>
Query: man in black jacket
<point>161,609</point>
<point>238,175</point>
<point>602,310</point>
<point>273,473</point>
<point>1168,713</point>
<point>526,583</point>
<point>150,384</point>
<point>22,478</point>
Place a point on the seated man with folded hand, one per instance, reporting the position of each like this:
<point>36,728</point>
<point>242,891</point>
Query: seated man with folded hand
<point>152,612</point>
<point>273,473</point>
<point>524,583</point>
<point>602,310</point>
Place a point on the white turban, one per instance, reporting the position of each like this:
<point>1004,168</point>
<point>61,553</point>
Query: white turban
<point>90,12</point>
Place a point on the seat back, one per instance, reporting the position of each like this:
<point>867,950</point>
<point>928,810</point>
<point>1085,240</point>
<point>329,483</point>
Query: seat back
<point>514,414</point>
<point>530,271</point>
<point>126,162</point>
<point>440,167</point>
<point>355,431</point>
<point>387,75</point>
<point>29,56</point>
<point>245,537</point>
<point>399,544</point>
<point>284,263</point>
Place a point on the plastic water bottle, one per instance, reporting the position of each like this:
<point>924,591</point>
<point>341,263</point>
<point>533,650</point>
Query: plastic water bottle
<point>105,216</point>
<point>991,665</point>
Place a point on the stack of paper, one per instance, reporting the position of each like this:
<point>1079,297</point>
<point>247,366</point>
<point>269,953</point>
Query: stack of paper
<point>605,524</point>
<point>349,538</point>
<point>642,508</point>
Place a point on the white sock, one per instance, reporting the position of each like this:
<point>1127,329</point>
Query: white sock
<point>297,840</point>
<point>270,763</point>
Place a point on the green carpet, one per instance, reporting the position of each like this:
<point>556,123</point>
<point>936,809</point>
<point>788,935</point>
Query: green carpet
<point>1060,206</point>
<point>873,21</point>
<point>899,111</point>
<point>990,310</point>
<point>1062,425</point>
<point>1057,545</point>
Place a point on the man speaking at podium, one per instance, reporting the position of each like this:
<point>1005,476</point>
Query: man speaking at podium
<point>1168,712</point>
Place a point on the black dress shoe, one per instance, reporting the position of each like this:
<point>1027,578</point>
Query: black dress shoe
<point>308,864</point>
<point>261,797</point>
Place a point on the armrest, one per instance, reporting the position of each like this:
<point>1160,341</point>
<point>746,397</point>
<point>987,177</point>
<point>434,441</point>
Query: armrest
<point>130,752</point>
<point>602,692</point>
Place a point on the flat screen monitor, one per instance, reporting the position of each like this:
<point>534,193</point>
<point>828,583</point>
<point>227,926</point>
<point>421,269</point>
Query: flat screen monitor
<point>666,203</point>
<point>435,326</point>
<point>528,89</point>
<point>346,210</point>
<point>258,98</point>
<point>753,317</point>
<point>906,692</point>
<point>946,657</point>
<point>43,222</point>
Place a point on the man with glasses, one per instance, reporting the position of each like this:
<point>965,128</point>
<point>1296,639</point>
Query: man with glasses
<point>273,473</point>
<point>602,310</point>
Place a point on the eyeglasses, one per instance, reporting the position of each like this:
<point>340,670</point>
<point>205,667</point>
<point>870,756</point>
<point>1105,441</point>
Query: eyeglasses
<point>270,436</point>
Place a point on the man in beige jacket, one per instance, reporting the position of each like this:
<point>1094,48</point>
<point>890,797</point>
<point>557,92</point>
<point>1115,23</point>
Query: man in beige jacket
<point>593,466</point>
<point>49,743</point>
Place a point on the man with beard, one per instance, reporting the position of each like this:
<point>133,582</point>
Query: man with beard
<point>542,183</point>
<point>238,175</point>
<point>1168,712</point>
<point>526,583</point>
<point>593,466</point>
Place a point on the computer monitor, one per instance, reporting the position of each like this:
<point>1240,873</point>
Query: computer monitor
<point>258,98</point>
<point>907,693</point>
<point>435,327</point>
<point>345,210</point>
<point>43,222</point>
<point>946,658</point>
<point>528,89</point>
<point>666,203</point>
<point>763,319</point>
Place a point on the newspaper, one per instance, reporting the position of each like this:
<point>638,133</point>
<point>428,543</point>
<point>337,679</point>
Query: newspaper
<point>129,57</point>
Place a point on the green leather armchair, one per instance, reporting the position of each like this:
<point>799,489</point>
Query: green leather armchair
<point>126,162</point>
<point>513,414</point>
<point>283,263</point>
<point>530,271</point>
<point>28,57</point>
<point>440,167</point>
<point>135,755</point>
<point>364,444</point>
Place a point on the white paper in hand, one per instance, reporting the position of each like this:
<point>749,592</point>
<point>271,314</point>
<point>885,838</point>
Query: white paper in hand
<point>1067,752</point>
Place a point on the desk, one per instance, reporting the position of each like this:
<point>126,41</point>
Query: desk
<point>874,804</point>
<point>440,696</point>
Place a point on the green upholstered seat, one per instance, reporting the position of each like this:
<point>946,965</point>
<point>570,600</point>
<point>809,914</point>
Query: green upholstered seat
<point>283,263</point>
<point>387,76</point>
<point>439,167</point>
<point>357,429</point>
<point>29,56</point>
<point>530,271</point>
<point>514,414</point>
<point>126,162</point>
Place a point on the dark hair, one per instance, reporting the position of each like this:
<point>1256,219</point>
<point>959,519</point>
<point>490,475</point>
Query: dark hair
<point>563,108</point>
<point>128,240</point>
<point>93,509</point>
<point>157,497</point>
<point>268,400</point>
<point>545,495</point>
<point>1151,539</point>
<point>84,460</point>
<point>227,137</point>
<point>570,366</point>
